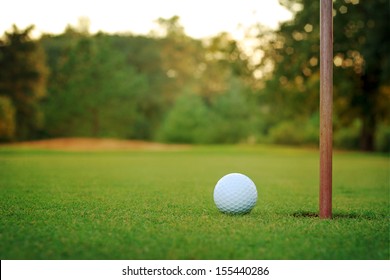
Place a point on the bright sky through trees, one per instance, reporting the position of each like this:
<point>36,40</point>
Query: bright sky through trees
<point>200,18</point>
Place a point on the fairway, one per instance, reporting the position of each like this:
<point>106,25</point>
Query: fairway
<point>158,204</point>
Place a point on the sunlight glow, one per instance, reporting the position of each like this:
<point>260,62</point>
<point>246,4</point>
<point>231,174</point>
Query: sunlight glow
<point>200,18</point>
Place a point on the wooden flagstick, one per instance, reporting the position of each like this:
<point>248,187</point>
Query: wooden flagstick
<point>326,107</point>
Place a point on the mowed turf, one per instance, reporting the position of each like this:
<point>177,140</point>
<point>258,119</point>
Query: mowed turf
<point>159,205</point>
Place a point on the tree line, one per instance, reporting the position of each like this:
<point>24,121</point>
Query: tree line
<point>167,86</point>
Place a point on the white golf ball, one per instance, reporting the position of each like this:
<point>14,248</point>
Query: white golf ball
<point>235,193</point>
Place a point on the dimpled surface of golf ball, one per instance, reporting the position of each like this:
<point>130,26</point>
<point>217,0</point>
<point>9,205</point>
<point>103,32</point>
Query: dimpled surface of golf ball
<point>235,193</point>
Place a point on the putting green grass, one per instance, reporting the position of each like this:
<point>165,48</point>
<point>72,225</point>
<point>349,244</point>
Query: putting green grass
<point>159,205</point>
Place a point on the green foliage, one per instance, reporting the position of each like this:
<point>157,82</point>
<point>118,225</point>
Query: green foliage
<point>171,87</point>
<point>23,74</point>
<point>94,92</point>
<point>312,131</point>
<point>192,120</point>
<point>361,72</point>
<point>383,138</point>
<point>348,137</point>
<point>189,121</point>
<point>7,119</point>
<point>233,116</point>
<point>287,133</point>
<point>361,55</point>
<point>159,205</point>
<point>295,132</point>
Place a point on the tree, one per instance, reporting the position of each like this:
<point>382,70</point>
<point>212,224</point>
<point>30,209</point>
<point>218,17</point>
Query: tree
<point>93,91</point>
<point>291,66</point>
<point>209,86</point>
<point>189,121</point>
<point>7,119</point>
<point>143,54</point>
<point>195,119</point>
<point>23,74</point>
<point>181,60</point>
<point>362,55</point>
<point>361,59</point>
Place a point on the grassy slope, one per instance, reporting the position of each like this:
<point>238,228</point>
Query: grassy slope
<point>158,205</point>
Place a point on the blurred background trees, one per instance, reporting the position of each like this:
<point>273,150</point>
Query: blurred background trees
<point>23,74</point>
<point>361,74</point>
<point>167,86</point>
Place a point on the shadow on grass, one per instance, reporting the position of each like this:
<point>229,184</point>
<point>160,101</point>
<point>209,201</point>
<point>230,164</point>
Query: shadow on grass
<point>341,215</point>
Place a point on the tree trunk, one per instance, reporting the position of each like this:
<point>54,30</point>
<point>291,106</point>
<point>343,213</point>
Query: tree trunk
<point>370,86</point>
<point>367,134</point>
